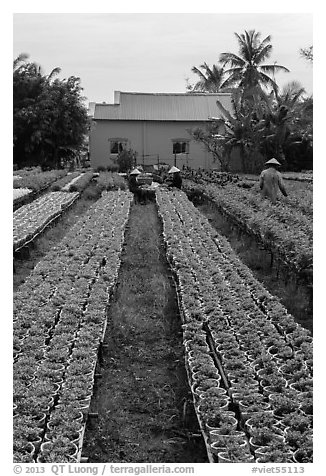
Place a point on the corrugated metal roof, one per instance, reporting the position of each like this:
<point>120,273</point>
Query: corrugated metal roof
<point>163,106</point>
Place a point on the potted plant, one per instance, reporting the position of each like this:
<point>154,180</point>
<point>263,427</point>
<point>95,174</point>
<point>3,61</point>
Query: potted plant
<point>297,439</point>
<point>219,402</point>
<point>306,406</point>
<point>70,429</point>
<point>283,404</point>
<point>264,420</point>
<point>235,454</point>
<point>264,436</point>
<point>225,437</point>
<point>59,450</point>
<point>304,454</point>
<point>302,385</point>
<point>250,399</point>
<point>205,384</point>
<point>213,392</point>
<point>25,428</point>
<point>275,452</point>
<point>206,371</point>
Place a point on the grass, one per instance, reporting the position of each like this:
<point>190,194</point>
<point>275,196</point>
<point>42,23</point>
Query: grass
<point>141,395</point>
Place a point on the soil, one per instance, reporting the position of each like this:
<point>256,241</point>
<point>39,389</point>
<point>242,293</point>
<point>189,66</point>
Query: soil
<point>143,401</point>
<point>295,296</point>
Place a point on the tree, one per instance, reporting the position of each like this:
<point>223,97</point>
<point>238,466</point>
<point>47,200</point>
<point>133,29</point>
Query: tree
<point>50,120</point>
<point>213,142</point>
<point>126,160</point>
<point>279,125</point>
<point>307,53</point>
<point>247,69</point>
<point>211,79</point>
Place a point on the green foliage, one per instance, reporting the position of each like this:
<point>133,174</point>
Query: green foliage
<point>126,160</point>
<point>210,79</point>
<point>265,122</point>
<point>247,69</point>
<point>307,53</point>
<point>50,121</point>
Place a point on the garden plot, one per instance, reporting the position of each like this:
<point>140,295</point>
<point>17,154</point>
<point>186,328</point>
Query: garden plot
<point>284,228</point>
<point>59,322</point>
<point>141,407</point>
<point>250,364</point>
<point>31,219</point>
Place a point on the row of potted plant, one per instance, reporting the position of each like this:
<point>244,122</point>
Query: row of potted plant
<point>56,364</point>
<point>47,285</point>
<point>285,230</point>
<point>63,181</point>
<point>19,193</point>
<point>31,218</point>
<point>80,183</point>
<point>216,288</point>
<point>36,179</point>
<point>299,198</point>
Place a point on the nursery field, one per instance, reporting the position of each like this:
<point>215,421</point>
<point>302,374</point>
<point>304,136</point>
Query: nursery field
<point>140,335</point>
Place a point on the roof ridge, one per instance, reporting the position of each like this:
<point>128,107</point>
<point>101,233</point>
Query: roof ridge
<point>176,94</point>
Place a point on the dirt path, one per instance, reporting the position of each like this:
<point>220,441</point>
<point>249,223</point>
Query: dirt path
<point>143,399</point>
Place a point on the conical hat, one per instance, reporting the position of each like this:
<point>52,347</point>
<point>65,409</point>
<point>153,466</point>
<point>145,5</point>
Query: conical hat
<point>135,172</point>
<point>272,161</point>
<point>173,170</point>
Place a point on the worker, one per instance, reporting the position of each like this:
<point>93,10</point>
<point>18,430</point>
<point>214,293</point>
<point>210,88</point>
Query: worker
<point>271,181</point>
<point>133,184</point>
<point>176,177</point>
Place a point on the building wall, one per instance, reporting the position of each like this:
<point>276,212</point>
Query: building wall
<point>147,138</point>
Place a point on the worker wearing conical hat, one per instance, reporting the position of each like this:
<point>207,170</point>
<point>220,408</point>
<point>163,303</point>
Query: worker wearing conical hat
<point>271,181</point>
<point>176,177</point>
<point>133,184</point>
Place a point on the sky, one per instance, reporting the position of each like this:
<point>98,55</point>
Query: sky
<point>154,52</point>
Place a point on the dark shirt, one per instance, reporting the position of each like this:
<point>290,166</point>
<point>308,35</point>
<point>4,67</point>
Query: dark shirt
<point>133,185</point>
<point>177,180</point>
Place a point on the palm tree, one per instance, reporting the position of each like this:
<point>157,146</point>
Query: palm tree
<point>281,113</point>
<point>247,69</point>
<point>20,61</point>
<point>211,79</point>
<point>307,53</point>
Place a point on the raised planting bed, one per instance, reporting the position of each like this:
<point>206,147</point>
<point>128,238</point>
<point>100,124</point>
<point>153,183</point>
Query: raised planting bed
<point>142,404</point>
<point>30,220</point>
<point>284,230</point>
<point>238,338</point>
<point>59,320</point>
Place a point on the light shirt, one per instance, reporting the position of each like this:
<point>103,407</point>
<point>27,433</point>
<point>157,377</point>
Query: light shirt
<point>270,182</point>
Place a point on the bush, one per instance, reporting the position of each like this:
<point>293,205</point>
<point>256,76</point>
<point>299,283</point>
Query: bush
<point>112,168</point>
<point>126,159</point>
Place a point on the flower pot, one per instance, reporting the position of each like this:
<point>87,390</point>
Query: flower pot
<point>247,415</point>
<point>198,376</point>
<point>212,392</point>
<point>217,437</point>
<point>245,408</point>
<point>68,452</point>
<point>301,456</point>
<point>255,445</point>
<point>201,387</point>
<point>306,408</point>
<point>41,420</point>
<point>223,457</point>
<point>37,443</point>
<point>210,425</point>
